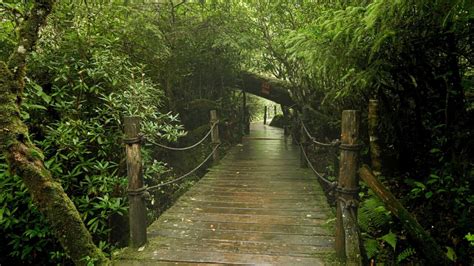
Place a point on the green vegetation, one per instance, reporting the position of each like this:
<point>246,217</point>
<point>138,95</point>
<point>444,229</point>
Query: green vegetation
<point>170,62</point>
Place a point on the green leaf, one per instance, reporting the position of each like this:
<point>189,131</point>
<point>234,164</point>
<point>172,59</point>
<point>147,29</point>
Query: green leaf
<point>371,247</point>
<point>420,185</point>
<point>451,254</point>
<point>391,239</point>
<point>428,194</point>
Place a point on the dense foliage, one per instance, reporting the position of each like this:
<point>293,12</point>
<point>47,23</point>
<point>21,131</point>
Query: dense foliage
<point>415,57</point>
<point>171,62</point>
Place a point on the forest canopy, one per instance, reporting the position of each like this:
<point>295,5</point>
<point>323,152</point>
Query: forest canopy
<point>171,62</point>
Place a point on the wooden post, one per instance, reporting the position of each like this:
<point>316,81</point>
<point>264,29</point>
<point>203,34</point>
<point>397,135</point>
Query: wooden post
<point>244,110</point>
<point>246,115</point>
<point>286,115</point>
<point>265,115</point>
<point>136,190</point>
<point>274,110</point>
<point>373,123</point>
<point>303,140</point>
<point>347,231</point>
<point>215,134</point>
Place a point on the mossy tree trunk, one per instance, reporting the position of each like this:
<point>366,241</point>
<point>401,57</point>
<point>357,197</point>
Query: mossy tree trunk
<point>26,160</point>
<point>272,89</point>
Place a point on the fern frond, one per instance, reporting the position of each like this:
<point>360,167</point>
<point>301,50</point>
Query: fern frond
<point>372,215</point>
<point>371,247</point>
<point>405,254</point>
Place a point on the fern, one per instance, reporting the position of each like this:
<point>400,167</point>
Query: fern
<point>405,254</point>
<point>390,239</point>
<point>373,215</point>
<point>372,247</point>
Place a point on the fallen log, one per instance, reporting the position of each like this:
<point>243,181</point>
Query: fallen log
<point>273,89</point>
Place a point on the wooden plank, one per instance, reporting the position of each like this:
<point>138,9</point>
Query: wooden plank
<point>186,256</point>
<point>238,211</point>
<point>238,227</point>
<point>263,200</point>
<point>249,237</point>
<point>321,219</point>
<point>240,247</point>
<point>298,206</point>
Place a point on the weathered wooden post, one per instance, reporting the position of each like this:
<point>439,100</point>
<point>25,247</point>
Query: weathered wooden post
<point>274,110</point>
<point>265,115</point>
<point>373,123</point>
<point>286,115</point>
<point>347,231</point>
<point>246,115</point>
<point>215,134</point>
<point>303,140</point>
<point>136,189</point>
<point>244,111</point>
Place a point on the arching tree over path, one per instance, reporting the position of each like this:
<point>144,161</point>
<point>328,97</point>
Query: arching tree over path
<point>269,88</point>
<point>26,160</point>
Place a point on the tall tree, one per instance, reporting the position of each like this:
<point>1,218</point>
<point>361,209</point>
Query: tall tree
<point>26,160</point>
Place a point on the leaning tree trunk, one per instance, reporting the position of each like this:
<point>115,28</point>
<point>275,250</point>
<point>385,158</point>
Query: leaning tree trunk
<point>26,160</point>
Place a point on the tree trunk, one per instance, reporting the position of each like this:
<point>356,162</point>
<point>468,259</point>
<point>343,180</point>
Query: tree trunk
<point>27,161</point>
<point>269,88</point>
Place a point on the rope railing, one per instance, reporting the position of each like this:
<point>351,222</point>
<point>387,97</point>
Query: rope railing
<point>346,188</point>
<point>331,184</point>
<point>333,144</point>
<point>187,174</point>
<point>137,191</point>
<point>188,147</point>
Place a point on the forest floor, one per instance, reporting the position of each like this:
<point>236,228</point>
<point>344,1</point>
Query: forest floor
<point>257,206</point>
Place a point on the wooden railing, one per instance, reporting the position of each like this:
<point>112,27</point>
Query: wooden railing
<point>348,241</point>
<point>138,192</point>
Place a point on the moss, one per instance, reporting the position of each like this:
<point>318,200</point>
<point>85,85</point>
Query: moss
<point>35,153</point>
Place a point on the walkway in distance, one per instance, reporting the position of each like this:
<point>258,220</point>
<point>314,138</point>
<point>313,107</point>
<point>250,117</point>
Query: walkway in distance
<point>256,206</point>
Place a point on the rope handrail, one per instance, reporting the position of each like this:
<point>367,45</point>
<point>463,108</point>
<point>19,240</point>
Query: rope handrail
<point>321,176</point>
<point>187,174</point>
<point>323,144</point>
<point>332,184</point>
<point>188,147</point>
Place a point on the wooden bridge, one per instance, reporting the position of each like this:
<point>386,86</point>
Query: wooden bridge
<point>257,206</point>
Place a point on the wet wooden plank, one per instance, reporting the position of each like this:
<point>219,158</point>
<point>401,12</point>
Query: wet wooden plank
<point>240,247</point>
<point>250,212</point>
<point>187,256</point>
<point>256,207</point>
<point>187,223</point>
<point>297,207</point>
<point>251,219</point>
<point>245,237</point>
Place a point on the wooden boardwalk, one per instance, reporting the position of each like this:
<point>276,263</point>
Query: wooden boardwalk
<point>257,206</point>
